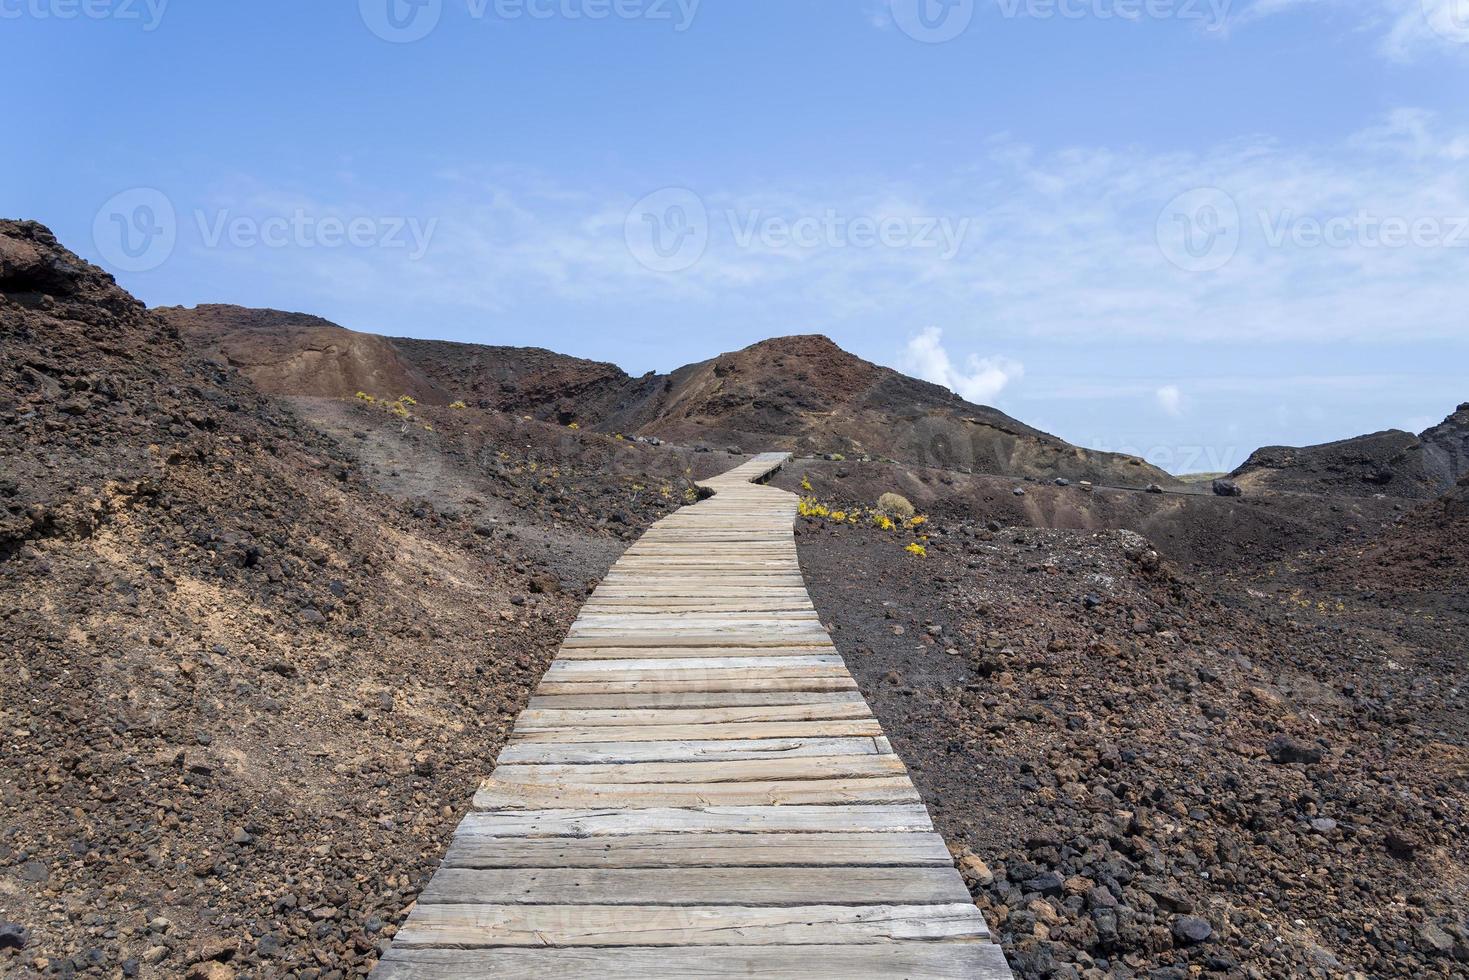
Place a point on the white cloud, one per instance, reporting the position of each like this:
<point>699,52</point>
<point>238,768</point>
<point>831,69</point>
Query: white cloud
<point>1407,29</point>
<point>1055,246</point>
<point>1170,400</point>
<point>879,13</point>
<point>982,379</point>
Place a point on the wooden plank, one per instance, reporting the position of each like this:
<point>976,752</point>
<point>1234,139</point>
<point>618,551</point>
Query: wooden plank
<point>722,770</point>
<point>813,666</point>
<point>732,750</point>
<point>685,653</point>
<point>910,960</point>
<point>764,887</point>
<point>497,795</point>
<point>699,850</point>
<point>689,699</point>
<point>722,641</point>
<point>697,672</point>
<point>589,822</point>
<point>533,718</point>
<point>679,733</point>
<point>470,926</point>
<point>742,682</point>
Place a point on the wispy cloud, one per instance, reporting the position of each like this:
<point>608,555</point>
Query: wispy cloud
<point>1364,240</point>
<point>1170,400</point>
<point>1406,29</point>
<point>980,380</point>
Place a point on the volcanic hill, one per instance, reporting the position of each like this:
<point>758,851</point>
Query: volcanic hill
<point>803,394</point>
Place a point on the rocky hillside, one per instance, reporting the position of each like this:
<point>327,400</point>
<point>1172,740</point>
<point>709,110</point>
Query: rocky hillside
<point>298,354</point>
<point>1446,448</point>
<point>1144,775</point>
<point>1393,463</point>
<point>250,686</point>
<point>808,395</point>
<point>804,394</point>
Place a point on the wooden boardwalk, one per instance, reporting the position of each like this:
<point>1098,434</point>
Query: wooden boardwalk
<point>698,789</point>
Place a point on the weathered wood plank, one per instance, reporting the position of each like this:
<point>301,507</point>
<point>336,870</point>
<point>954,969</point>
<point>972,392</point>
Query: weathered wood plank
<point>679,733</point>
<point>701,683</point>
<point>700,850</point>
<point>685,653</point>
<point>892,961</point>
<point>533,718</point>
<point>653,639</point>
<point>687,699</point>
<point>470,926</point>
<point>813,666</point>
<point>769,887</point>
<point>857,765</point>
<point>498,795</point>
<point>695,672</point>
<point>523,753</point>
<point>587,822</point>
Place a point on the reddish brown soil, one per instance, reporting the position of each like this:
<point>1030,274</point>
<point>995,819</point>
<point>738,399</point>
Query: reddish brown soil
<point>1145,774</point>
<point>255,672</point>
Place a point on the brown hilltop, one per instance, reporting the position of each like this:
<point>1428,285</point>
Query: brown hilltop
<point>806,394</point>
<point>299,354</point>
<point>801,393</point>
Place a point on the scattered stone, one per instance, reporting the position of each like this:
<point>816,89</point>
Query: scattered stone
<point>1190,930</point>
<point>974,870</point>
<point>34,871</point>
<point>1284,749</point>
<point>13,935</point>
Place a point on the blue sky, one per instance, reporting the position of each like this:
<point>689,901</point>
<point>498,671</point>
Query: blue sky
<point>1183,228</point>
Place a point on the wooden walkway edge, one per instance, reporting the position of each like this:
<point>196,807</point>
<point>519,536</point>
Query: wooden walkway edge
<point>698,789</point>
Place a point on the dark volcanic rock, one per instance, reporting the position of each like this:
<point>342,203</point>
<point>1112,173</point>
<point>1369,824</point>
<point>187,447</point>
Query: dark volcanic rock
<point>1191,930</point>
<point>1284,749</point>
<point>1160,756</point>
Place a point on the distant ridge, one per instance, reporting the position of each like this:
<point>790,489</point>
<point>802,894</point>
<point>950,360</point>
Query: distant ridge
<point>798,393</point>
